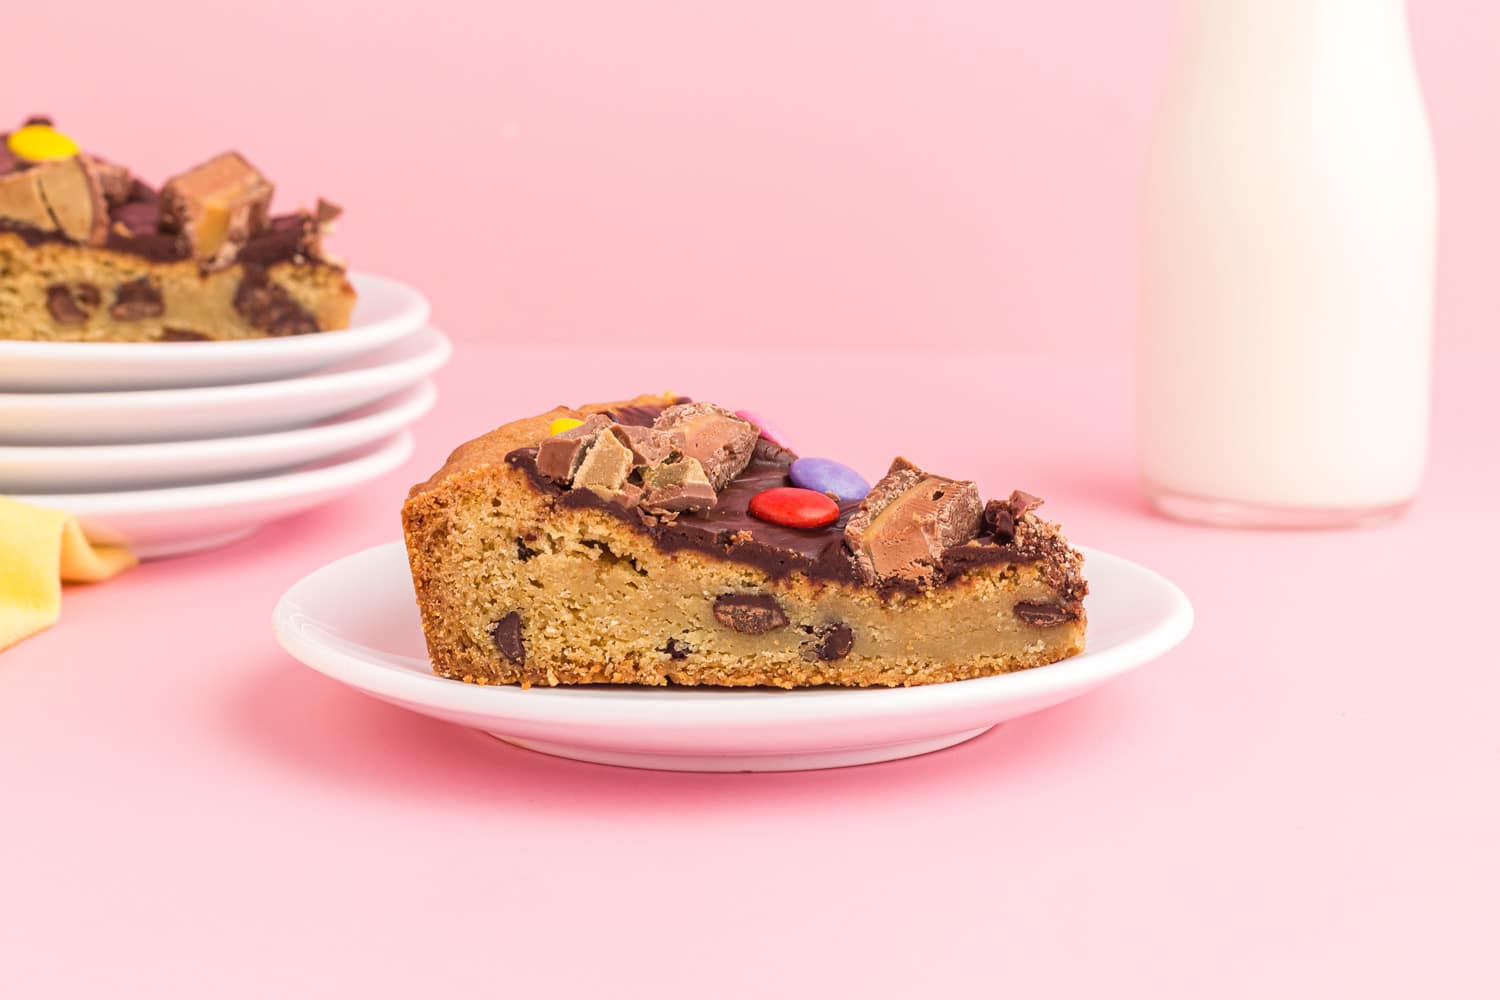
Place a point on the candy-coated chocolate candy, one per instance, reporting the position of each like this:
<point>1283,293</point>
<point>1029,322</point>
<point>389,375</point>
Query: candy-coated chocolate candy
<point>563,424</point>
<point>767,431</point>
<point>824,475</point>
<point>793,507</point>
<point>41,142</point>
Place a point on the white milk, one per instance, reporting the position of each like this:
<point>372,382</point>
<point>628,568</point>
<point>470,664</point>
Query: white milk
<point>1288,255</point>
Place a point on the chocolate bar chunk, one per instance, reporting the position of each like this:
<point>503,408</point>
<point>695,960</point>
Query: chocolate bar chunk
<point>720,441</point>
<point>58,196</point>
<point>557,457</point>
<point>75,199</point>
<point>909,518</point>
<point>218,206</point>
<point>21,201</point>
<point>605,466</point>
<point>677,486</point>
<point>649,446</point>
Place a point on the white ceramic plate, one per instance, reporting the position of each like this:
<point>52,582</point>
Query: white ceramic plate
<point>219,411</point>
<point>80,468</point>
<point>170,522</point>
<point>356,621</point>
<point>384,311</point>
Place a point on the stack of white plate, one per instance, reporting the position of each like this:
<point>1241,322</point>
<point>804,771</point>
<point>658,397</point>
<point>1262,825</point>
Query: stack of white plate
<point>175,447</point>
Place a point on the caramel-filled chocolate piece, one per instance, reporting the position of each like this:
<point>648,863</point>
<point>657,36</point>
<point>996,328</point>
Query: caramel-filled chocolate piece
<point>677,486</point>
<point>605,466</point>
<point>218,206</point>
<point>720,441</point>
<point>649,446</point>
<point>909,518</point>
<point>557,457</point>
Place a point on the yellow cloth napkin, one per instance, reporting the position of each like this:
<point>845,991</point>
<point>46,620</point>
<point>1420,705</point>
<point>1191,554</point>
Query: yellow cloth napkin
<point>39,549</point>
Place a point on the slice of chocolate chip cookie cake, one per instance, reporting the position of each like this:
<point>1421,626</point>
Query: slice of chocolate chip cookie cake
<point>662,541</point>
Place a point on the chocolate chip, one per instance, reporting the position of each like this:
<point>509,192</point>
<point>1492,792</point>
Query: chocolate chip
<point>605,466</point>
<point>62,303</point>
<point>1042,615</point>
<point>87,295</point>
<point>39,120</point>
<point>269,307</point>
<point>837,641</point>
<point>751,614</point>
<point>676,649</point>
<point>137,299</point>
<point>181,333</point>
<point>506,635</point>
<point>524,551</point>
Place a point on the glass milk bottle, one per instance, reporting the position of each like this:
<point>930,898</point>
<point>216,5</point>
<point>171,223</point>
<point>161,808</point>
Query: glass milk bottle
<point>1288,253</point>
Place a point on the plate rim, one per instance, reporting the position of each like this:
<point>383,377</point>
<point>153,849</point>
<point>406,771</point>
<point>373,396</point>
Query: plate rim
<point>422,397</point>
<point>417,366</point>
<point>383,455</point>
<point>592,706</point>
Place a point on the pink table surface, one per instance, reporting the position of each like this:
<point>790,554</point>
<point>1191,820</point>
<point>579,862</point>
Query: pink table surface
<point>1299,801</point>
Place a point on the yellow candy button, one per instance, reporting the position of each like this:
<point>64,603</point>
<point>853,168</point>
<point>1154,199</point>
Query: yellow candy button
<point>563,424</point>
<point>41,142</point>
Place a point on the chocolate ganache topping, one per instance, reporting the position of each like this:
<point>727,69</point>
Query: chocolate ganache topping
<point>727,530</point>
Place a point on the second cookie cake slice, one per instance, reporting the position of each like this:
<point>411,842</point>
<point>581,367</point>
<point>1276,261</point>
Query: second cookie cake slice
<point>661,541</point>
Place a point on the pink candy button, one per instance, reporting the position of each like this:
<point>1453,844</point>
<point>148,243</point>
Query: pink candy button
<point>767,431</point>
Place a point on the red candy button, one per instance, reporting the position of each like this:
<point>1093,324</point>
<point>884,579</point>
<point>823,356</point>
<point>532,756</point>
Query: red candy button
<point>793,507</point>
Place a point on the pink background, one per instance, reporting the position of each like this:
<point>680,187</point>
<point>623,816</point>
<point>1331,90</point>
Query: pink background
<point>1299,801</point>
<point>855,172</point>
